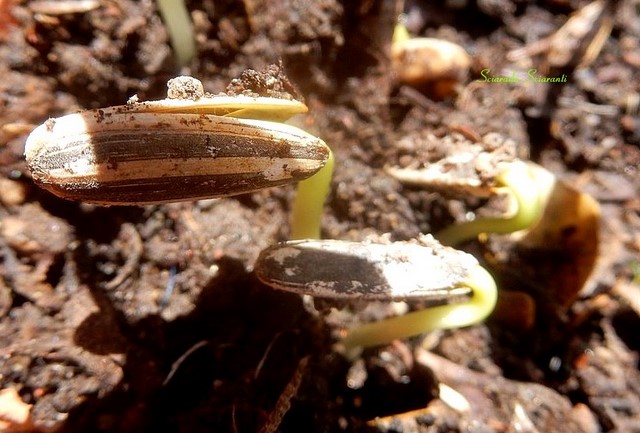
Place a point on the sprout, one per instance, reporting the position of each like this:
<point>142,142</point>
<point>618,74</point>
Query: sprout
<point>310,197</point>
<point>421,269</point>
<point>430,64</point>
<point>520,182</point>
<point>176,17</point>
<point>475,310</point>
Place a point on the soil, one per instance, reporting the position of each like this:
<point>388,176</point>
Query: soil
<point>147,319</point>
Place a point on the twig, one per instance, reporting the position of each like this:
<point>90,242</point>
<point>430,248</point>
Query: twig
<point>284,401</point>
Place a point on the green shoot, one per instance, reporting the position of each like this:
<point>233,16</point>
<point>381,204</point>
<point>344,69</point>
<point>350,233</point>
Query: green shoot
<point>176,17</point>
<point>450,316</point>
<point>519,182</point>
<point>310,197</point>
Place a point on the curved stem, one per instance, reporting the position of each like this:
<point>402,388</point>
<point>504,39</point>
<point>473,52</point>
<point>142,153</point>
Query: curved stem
<point>528,207</point>
<point>480,305</point>
<point>310,196</point>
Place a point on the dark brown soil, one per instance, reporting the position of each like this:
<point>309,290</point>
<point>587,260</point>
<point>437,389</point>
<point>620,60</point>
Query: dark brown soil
<point>148,319</point>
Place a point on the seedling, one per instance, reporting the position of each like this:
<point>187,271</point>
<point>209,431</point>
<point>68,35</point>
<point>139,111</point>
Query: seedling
<point>186,147</point>
<point>552,220</point>
<point>515,179</point>
<point>389,271</point>
<point>428,63</point>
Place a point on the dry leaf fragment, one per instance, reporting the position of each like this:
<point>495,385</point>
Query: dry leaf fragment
<point>578,42</point>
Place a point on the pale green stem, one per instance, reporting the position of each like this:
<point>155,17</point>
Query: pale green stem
<point>526,195</point>
<point>309,202</point>
<point>400,33</point>
<point>307,213</point>
<point>475,310</point>
<point>178,22</point>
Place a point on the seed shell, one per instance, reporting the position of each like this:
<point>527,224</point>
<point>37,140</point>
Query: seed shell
<point>240,106</point>
<point>370,271</point>
<point>137,154</point>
